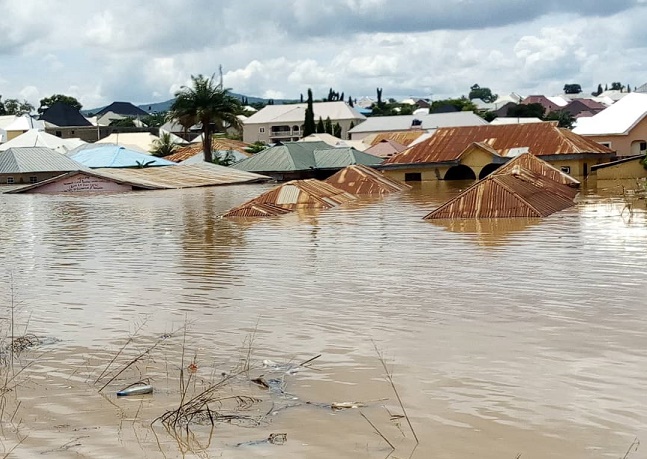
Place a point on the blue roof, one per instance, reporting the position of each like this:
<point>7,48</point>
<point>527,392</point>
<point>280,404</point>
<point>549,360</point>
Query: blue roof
<point>116,156</point>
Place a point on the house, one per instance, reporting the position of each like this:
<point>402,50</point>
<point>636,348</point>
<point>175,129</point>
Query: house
<point>360,180</point>
<point>405,138</point>
<point>550,104</point>
<point>218,144</point>
<point>155,178</point>
<point>284,123</point>
<point>621,127</point>
<point>533,164</point>
<point>385,124</point>
<point>109,155</point>
<point>291,196</point>
<point>519,193</point>
<point>40,138</point>
<point>629,168</point>
<point>385,148</point>
<point>125,109</point>
<point>299,160</point>
<point>20,125</point>
<point>583,107</point>
<point>63,115</point>
<point>143,142</point>
<point>465,153</point>
<point>33,164</point>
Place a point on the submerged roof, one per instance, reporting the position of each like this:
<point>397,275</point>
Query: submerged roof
<point>299,156</point>
<point>290,196</point>
<point>63,115</point>
<point>107,155</point>
<point>20,160</point>
<point>358,179</point>
<point>540,139</point>
<point>520,193</point>
<point>541,167</point>
<point>217,144</point>
<point>404,122</point>
<point>39,138</point>
<point>619,118</point>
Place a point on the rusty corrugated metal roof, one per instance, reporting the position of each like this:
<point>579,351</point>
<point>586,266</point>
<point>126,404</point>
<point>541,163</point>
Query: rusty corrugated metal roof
<point>290,196</point>
<point>358,179</point>
<point>541,167</point>
<point>401,137</point>
<point>520,193</point>
<point>184,153</point>
<point>540,139</point>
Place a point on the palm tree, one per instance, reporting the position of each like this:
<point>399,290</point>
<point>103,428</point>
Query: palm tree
<point>209,104</point>
<point>164,146</point>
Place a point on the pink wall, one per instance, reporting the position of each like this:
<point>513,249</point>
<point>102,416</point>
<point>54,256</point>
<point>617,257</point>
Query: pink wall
<point>81,183</point>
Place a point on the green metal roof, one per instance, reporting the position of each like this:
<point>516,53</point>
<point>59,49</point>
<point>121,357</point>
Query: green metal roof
<point>299,156</point>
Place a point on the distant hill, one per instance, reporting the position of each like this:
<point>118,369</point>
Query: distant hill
<point>156,107</point>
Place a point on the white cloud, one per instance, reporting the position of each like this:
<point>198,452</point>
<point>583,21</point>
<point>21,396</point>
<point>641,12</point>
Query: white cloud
<point>138,51</point>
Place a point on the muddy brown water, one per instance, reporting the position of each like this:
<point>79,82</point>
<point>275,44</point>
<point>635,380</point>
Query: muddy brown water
<point>505,338</point>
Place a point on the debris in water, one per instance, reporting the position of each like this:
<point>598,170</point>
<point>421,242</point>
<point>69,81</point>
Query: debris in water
<point>273,439</point>
<point>346,405</point>
<point>138,388</point>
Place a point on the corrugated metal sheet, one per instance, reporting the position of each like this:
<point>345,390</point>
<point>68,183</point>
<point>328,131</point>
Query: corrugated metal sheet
<point>337,158</point>
<point>108,155</point>
<point>521,193</point>
<point>401,137</point>
<point>385,148</point>
<point>189,176</point>
<point>287,157</point>
<point>541,167</point>
<point>541,139</point>
<point>293,195</point>
<point>35,159</point>
<point>358,179</point>
<point>184,153</point>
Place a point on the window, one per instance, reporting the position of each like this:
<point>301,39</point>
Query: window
<point>606,144</point>
<point>413,177</point>
<point>643,146</point>
<point>33,179</point>
<point>261,130</point>
<point>566,169</point>
<point>10,180</point>
<point>59,134</point>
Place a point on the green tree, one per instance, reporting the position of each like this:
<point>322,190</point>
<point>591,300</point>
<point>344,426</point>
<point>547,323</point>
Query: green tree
<point>164,145</point>
<point>2,109</point>
<point>321,128</point>
<point>564,119</point>
<point>209,104</point>
<point>527,111</point>
<point>350,101</point>
<point>309,126</point>
<point>572,89</point>
<point>598,91</point>
<point>616,86</point>
<point>379,97</point>
<point>123,122</point>
<point>256,147</point>
<point>336,130</point>
<point>328,126</point>
<point>47,102</point>
<point>485,94</point>
<point>17,108</point>
<point>462,104</point>
<point>227,160</point>
<point>154,119</point>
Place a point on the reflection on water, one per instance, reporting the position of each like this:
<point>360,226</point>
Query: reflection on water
<point>538,347</point>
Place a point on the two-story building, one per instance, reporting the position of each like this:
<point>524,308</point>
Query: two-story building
<point>284,123</point>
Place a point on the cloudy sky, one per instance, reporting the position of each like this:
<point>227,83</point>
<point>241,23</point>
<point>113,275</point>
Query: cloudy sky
<point>143,51</point>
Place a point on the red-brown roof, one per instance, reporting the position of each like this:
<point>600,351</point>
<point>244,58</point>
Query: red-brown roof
<point>520,193</point>
<point>359,179</point>
<point>539,139</point>
<point>541,167</point>
<point>184,153</point>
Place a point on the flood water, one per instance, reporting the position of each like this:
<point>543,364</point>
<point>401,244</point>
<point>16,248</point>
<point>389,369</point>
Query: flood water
<point>503,338</point>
